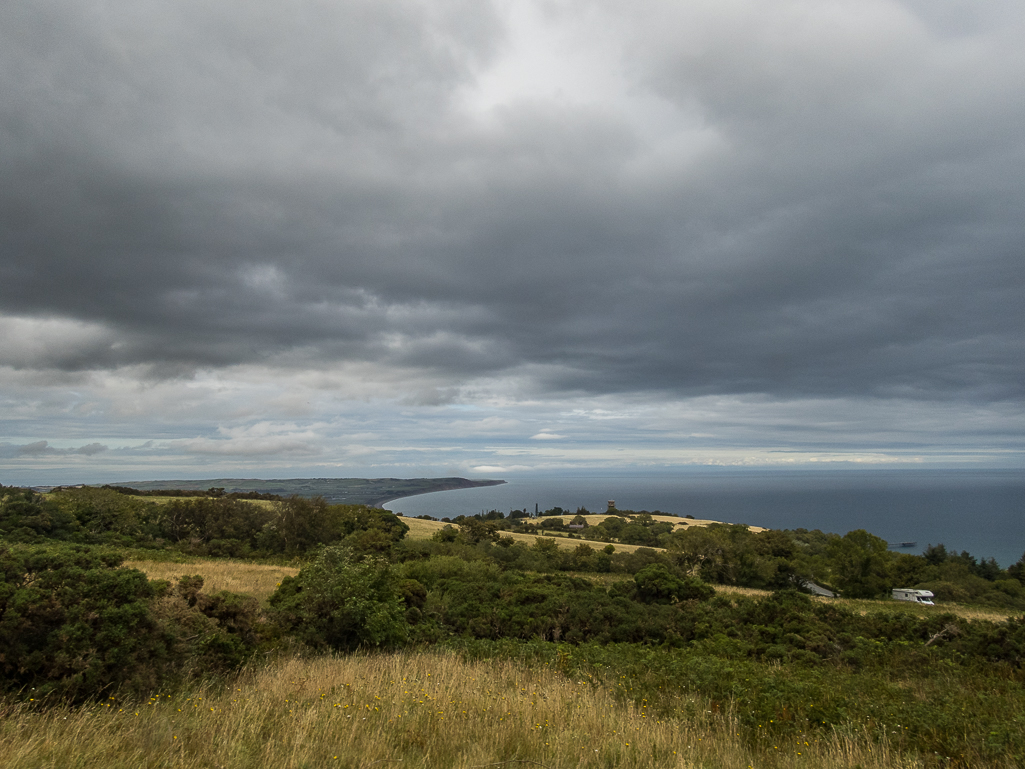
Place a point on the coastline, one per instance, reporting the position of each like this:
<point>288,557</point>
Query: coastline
<point>381,501</point>
<point>350,491</point>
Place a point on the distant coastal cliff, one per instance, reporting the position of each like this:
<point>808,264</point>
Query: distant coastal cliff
<point>351,491</point>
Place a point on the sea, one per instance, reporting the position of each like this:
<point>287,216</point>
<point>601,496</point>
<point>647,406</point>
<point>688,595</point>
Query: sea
<point>978,511</point>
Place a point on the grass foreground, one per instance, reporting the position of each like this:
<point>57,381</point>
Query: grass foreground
<point>413,709</point>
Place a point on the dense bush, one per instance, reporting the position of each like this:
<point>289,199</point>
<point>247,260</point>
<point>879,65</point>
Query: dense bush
<point>341,602</point>
<point>656,584</point>
<point>915,703</point>
<point>210,633</point>
<point>73,624</point>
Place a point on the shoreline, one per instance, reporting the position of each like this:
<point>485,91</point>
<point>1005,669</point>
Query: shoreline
<point>381,501</point>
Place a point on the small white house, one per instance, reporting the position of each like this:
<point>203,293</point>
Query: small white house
<point>915,596</point>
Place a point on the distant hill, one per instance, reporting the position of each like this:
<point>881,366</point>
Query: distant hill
<point>350,491</point>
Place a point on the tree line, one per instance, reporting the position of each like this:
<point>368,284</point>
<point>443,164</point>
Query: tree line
<point>855,565</point>
<point>223,525</point>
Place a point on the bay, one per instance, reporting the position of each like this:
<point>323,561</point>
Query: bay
<point>980,511</point>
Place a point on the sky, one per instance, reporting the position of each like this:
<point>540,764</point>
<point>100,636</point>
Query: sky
<point>375,238</point>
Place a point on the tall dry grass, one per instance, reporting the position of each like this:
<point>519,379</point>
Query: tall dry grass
<point>866,606</point>
<point>424,710</point>
<point>253,579</point>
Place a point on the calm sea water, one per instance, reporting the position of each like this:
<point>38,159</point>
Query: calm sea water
<point>982,512</point>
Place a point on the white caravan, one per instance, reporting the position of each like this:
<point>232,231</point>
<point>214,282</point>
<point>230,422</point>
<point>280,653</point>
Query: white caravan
<point>915,596</point>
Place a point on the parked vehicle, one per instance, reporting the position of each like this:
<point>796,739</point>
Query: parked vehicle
<point>915,596</point>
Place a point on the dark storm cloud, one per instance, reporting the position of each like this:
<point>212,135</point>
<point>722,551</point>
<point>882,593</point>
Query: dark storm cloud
<point>249,182</point>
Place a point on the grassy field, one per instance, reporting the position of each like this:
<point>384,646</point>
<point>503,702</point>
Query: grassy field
<point>423,529</point>
<point>427,710</point>
<point>218,574</point>
<point>420,528</point>
<point>862,606</point>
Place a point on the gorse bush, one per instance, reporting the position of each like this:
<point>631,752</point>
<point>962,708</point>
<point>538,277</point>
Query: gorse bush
<point>340,602</point>
<point>73,625</point>
<point>656,584</point>
<point>212,633</point>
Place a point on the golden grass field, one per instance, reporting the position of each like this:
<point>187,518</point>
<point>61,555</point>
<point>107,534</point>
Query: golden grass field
<point>420,528</point>
<point>862,606</point>
<point>415,710</point>
<point>423,529</point>
<point>236,576</point>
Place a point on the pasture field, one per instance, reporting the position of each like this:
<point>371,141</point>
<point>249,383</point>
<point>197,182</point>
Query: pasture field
<point>244,577</point>
<point>162,500</point>
<point>424,529</point>
<point>420,528</point>
<point>864,606</point>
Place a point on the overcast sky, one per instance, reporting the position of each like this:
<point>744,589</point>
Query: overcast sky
<point>402,237</point>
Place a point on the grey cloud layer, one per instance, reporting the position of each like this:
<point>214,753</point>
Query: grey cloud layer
<point>826,201</point>
<point>43,448</point>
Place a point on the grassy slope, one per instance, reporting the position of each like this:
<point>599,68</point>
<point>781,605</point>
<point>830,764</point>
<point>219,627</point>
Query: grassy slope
<point>428,710</point>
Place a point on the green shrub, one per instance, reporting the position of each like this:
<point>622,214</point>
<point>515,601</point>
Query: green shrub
<point>72,624</point>
<point>210,633</point>
<point>342,603</point>
<point>656,584</point>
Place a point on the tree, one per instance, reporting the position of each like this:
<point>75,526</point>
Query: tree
<point>636,534</point>
<point>299,524</point>
<point>656,584</point>
<point>710,550</point>
<point>859,563</point>
<point>103,514</point>
<point>1017,570</point>
<point>25,517</point>
<point>935,554</point>
<point>611,527</point>
<point>474,530</point>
